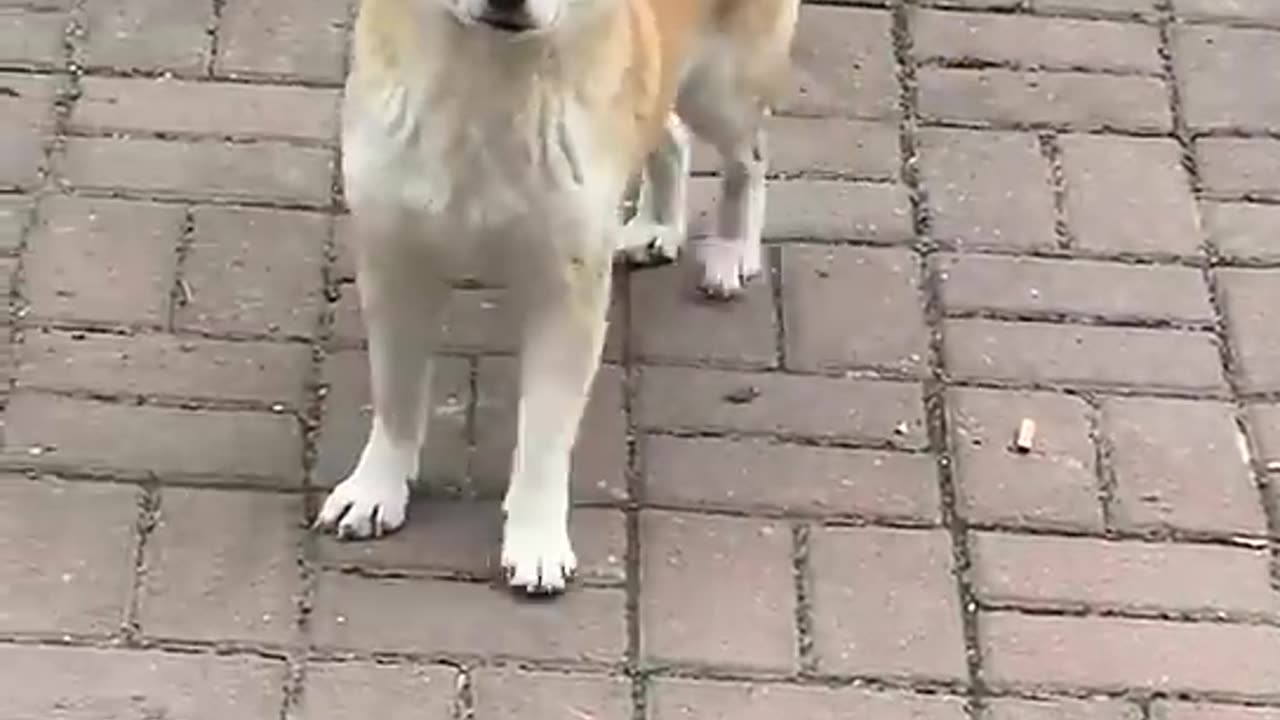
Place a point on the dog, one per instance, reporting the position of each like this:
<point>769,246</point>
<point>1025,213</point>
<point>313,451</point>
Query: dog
<point>507,133</point>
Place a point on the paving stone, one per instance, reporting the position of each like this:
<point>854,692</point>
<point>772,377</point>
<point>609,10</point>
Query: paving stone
<point>844,64</point>
<point>507,695</point>
<point>1129,195</point>
<point>15,220</point>
<point>1250,297</point>
<point>1219,70</point>
<point>1171,710</point>
<point>1036,41</point>
<point>235,274</point>
<point>745,619</point>
<point>1078,100</point>
<point>389,614</point>
<point>599,461</point>
<point>295,38</point>
<point>1041,286</point>
<point>827,146</point>
<point>1122,8</point>
<point>1264,425</point>
<point>29,39</point>
<point>1241,231</point>
<point>258,172</point>
<point>830,210</point>
<point>1077,572</point>
<point>164,365</point>
<point>866,285</point>
<point>1054,485</point>
<point>348,415</point>
<point>208,108</point>
<point>215,446</point>
<point>1178,464</point>
<point>1105,653</point>
<point>222,566</point>
<point>337,691</point>
<point>811,407</point>
<point>757,475</point>
<point>1082,355</point>
<point>1239,166</point>
<point>679,699</point>
<point>26,119</point>
<point>148,35</point>
<point>669,322</point>
<point>987,188</point>
<point>1059,709</point>
<point>885,603</point>
<point>451,538</point>
<point>66,556</point>
<point>106,261</point>
<point>92,683</point>
<point>1260,11</point>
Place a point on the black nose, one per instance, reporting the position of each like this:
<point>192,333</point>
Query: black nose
<point>506,6</point>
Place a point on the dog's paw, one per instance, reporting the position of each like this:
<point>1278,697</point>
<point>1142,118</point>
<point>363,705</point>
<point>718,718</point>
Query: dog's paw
<point>538,558</point>
<point>646,244</point>
<point>727,265</point>
<point>358,509</point>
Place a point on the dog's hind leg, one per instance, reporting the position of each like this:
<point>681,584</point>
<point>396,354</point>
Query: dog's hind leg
<point>564,330</point>
<point>656,233</point>
<point>400,308</point>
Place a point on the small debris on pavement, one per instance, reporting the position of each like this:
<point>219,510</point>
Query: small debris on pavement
<point>743,395</point>
<point>1026,436</point>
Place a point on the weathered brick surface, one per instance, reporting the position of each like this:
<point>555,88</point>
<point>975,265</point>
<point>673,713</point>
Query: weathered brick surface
<point>264,171</point>
<point>1054,485</point>
<point>335,691</point>
<point>84,251</point>
<point>1217,70</point>
<point>864,284</point>
<point>883,603</point>
<point>59,432</point>
<point>1163,451</point>
<point>846,409</point>
<point>86,682</point>
<point>974,283</point>
<point>1046,571</point>
<point>745,619</point>
<point>234,278</point>
<point>222,566</point>
<point>1129,195</point>
<point>987,188</point>
<point>506,694</point>
<point>806,503</point>
<point>1036,41</point>
<point>1112,653</point>
<point>706,700</point>
<point>217,109</point>
<point>164,365</point>
<point>1077,100</point>
<point>757,474</point>
<point>63,549</point>
<point>1082,355</point>
<point>465,618</point>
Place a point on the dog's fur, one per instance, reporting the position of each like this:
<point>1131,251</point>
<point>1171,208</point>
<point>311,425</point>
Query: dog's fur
<point>507,133</point>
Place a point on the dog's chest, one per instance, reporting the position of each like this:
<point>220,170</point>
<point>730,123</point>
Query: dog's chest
<point>469,157</point>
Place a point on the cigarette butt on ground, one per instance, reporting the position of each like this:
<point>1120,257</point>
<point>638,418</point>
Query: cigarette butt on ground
<point>1026,436</point>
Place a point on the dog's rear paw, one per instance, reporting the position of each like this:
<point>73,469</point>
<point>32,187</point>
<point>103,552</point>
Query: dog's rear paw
<point>359,509</point>
<point>727,265</point>
<point>538,560</point>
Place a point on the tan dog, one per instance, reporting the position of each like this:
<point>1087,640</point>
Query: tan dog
<point>505,132</point>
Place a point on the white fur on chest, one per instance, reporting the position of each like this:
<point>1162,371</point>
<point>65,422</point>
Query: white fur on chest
<point>473,151</point>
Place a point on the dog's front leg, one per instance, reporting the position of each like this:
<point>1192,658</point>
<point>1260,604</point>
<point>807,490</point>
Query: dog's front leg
<point>401,304</point>
<point>564,330</point>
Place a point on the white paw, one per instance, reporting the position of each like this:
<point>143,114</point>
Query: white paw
<point>360,508</point>
<point>727,264</point>
<point>645,243</point>
<point>538,557</point>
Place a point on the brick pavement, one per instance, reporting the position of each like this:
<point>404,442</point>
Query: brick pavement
<point>802,505</point>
